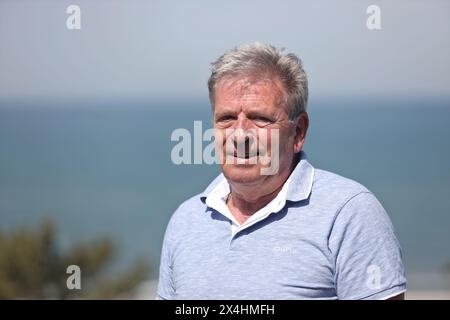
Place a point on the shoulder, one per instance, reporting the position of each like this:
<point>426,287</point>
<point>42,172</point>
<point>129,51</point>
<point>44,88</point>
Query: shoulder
<point>187,212</point>
<point>332,189</point>
<point>349,204</point>
<point>191,211</point>
<point>352,206</point>
<point>328,181</point>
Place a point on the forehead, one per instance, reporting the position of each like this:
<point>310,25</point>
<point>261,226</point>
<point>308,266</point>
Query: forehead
<point>248,90</point>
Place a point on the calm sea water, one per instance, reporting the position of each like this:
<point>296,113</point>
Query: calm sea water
<point>104,169</point>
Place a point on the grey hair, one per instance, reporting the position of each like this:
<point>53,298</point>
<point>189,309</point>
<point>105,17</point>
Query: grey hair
<point>256,59</point>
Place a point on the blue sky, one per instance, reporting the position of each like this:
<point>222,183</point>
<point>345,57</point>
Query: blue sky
<point>163,48</point>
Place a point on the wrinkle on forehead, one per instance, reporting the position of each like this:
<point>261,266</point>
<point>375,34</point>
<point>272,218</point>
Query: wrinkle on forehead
<point>252,87</point>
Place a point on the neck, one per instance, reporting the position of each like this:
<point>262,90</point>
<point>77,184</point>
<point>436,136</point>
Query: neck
<point>244,201</point>
<point>247,205</point>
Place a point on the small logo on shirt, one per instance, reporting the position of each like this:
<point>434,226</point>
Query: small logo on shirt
<point>283,250</point>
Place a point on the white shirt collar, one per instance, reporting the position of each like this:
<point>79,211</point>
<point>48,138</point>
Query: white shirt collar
<point>217,198</point>
<point>297,187</point>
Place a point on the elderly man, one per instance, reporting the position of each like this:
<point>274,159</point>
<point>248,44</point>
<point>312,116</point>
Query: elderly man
<point>297,233</point>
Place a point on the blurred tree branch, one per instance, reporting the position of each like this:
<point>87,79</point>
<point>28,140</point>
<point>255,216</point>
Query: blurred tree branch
<point>33,267</point>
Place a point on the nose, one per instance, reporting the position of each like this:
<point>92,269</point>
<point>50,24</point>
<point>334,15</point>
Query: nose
<point>243,137</point>
<point>243,123</point>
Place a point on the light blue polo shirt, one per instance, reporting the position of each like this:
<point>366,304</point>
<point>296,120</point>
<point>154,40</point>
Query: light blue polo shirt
<point>329,239</point>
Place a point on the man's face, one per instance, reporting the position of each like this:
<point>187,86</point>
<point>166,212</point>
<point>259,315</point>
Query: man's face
<point>245,115</point>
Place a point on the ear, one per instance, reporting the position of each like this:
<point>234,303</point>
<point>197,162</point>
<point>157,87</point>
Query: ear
<point>301,127</point>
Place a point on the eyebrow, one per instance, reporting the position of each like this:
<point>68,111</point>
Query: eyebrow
<point>252,112</point>
<point>258,112</point>
<point>224,114</point>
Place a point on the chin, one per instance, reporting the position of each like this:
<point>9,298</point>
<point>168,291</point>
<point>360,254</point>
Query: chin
<point>244,173</point>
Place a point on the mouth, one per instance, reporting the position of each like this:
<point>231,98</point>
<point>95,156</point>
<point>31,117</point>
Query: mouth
<point>246,155</point>
<point>242,159</point>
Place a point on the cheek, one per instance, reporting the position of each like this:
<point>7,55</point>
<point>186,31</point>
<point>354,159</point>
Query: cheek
<point>280,137</point>
<point>220,136</point>
<point>264,139</point>
<point>219,142</point>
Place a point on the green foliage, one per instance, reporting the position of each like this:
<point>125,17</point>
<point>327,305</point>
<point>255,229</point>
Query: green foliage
<point>33,267</point>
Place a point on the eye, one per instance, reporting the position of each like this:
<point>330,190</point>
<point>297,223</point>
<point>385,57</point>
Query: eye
<point>261,120</point>
<point>225,118</point>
